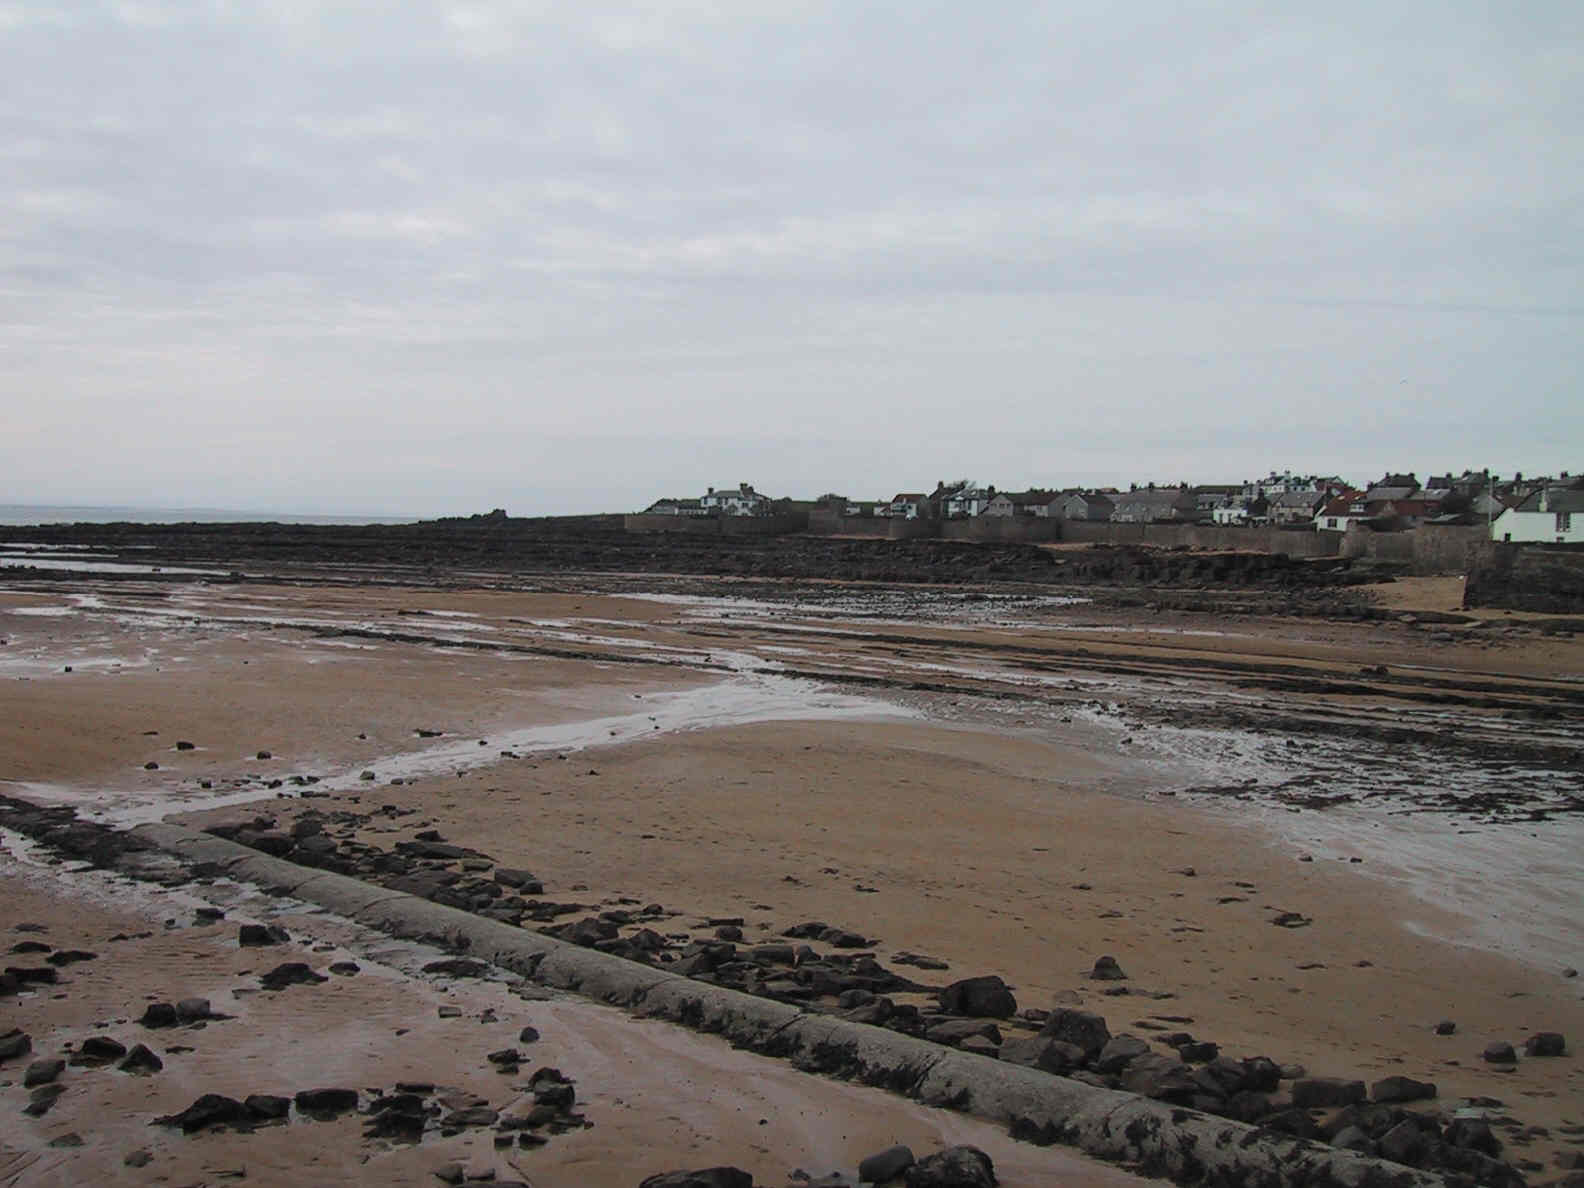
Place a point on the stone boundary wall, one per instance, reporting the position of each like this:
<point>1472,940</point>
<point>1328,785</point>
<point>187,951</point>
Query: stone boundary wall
<point>1264,539</point>
<point>1425,550</point>
<point>1153,1137</point>
<point>718,525</point>
<point>1529,577</point>
<point>1002,529</point>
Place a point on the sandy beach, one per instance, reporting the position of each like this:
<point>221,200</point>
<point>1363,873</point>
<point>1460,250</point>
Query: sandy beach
<point>1013,787</point>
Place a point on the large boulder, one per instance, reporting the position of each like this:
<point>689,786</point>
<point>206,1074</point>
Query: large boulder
<point>955,1167</point>
<point>979,998</point>
<point>709,1177</point>
<point>1164,1078</point>
<point>1322,1092</point>
<point>1392,1089</point>
<point>212,1109</point>
<point>1037,1051</point>
<point>1083,1028</point>
<point>885,1165</point>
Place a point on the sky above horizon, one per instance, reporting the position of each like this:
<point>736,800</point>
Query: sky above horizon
<point>428,260</point>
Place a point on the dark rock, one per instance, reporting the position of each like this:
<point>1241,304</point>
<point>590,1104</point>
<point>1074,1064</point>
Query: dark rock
<point>1246,1107</point>
<point>953,1032</point>
<point>1446,1027</point>
<point>43,1099</point>
<point>1472,1133</point>
<point>42,1072</point>
<point>470,1117</point>
<point>1083,1028</point>
<point>211,1109</point>
<point>1393,1089</point>
<point>709,1177</point>
<point>99,1049</point>
<point>292,973</point>
<point>267,1107</point>
<point>191,1010</point>
<point>138,1158</point>
<point>885,1165</point>
<point>875,1012</point>
<point>521,881</point>
<point>14,1044</point>
<point>1106,969</point>
<point>1545,1043</point>
<point>70,957</point>
<point>457,967</point>
<point>1164,1078</point>
<point>326,1103</point>
<point>955,1167</point>
<point>1296,1123</point>
<point>1351,1138</point>
<point>528,1035</point>
<point>1119,1052</point>
<point>1051,1055</point>
<point>1222,1076</point>
<point>1263,1074</point>
<point>1323,1092</point>
<point>38,976</point>
<point>183,745</point>
<point>983,997</point>
<point>260,935</point>
<point>1499,1052</point>
<point>141,1060</point>
<point>1403,1143</point>
<point>159,1014</point>
<point>345,969</point>
<point>841,938</point>
<point>271,842</point>
<point>1199,1051</point>
<point>67,1141</point>
<point>556,1095</point>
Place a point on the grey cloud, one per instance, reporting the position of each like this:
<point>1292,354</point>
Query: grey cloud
<point>1062,239</point>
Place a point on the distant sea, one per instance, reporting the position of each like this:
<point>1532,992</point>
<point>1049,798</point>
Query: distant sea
<point>43,513</point>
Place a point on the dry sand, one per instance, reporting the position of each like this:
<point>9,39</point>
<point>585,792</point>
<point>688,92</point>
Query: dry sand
<point>1001,851</point>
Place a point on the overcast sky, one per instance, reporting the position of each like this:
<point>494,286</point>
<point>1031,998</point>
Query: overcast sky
<point>571,257</point>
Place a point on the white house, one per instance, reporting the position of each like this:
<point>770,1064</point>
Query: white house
<point>969,501</point>
<point>1552,515</point>
<point>908,505</point>
<point>1341,513</point>
<point>743,501</point>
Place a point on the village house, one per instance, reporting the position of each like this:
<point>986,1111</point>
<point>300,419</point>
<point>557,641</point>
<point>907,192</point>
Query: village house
<point>1151,505</point>
<point>1342,513</point>
<point>969,500</point>
<point>1552,515</point>
<point>1278,484</point>
<point>676,507</point>
<point>1026,503</point>
<point>1080,505</point>
<point>908,505</point>
<point>1211,497</point>
<point>1295,507</point>
<point>741,501</point>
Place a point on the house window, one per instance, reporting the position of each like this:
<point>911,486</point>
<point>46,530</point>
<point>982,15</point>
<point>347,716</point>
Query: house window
<point>1564,521</point>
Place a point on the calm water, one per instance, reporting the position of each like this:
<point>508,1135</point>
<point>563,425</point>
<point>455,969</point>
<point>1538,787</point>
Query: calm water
<point>43,513</point>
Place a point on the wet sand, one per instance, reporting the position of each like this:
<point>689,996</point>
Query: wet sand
<point>1001,837</point>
